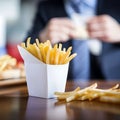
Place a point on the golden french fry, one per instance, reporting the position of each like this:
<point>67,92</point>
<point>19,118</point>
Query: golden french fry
<point>47,58</point>
<point>66,55</point>
<point>38,53</point>
<point>70,58</point>
<point>45,51</point>
<point>64,95</point>
<point>109,99</point>
<point>60,47</point>
<point>64,49</point>
<point>48,43</point>
<point>3,66</point>
<point>43,54</point>
<point>61,54</point>
<point>68,52</point>
<point>37,42</point>
<point>32,49</point>
<point>114,87</point>
<point>105,92</point>
<point>52,55</point>
<point>67,93</point>
<point>28,41</point>
<point>56,61</point>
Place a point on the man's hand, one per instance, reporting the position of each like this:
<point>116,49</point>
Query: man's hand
<point>58,30</point>
<point>105,28</point>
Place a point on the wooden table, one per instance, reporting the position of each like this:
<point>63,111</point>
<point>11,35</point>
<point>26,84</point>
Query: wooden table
<point>15,104</point>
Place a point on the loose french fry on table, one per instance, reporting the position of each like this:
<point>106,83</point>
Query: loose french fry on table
<point>111,95</point>
<point>48,54</point>
<point>64,95</point>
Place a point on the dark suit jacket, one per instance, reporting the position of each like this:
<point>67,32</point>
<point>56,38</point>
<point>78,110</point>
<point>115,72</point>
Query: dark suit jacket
<point>109,60</point>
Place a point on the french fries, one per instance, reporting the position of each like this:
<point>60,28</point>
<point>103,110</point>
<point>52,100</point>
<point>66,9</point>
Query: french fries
<point>7,62</point>
<point>48,54</point>
<point>9,68</point>
<point>111,95</point>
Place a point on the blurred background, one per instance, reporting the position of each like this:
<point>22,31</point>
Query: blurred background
<point>16,18</point>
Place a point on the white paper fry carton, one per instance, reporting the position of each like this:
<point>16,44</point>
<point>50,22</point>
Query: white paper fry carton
<point>43,79</point>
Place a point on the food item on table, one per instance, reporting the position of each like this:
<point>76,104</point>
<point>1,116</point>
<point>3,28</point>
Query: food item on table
<point>111,95</point>
<point>9,68</point>
<point>48,54</point>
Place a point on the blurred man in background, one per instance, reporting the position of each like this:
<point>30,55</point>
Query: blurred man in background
<point>91,27</point>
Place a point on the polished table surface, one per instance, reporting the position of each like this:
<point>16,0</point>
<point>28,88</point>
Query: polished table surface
<point>15,104</point>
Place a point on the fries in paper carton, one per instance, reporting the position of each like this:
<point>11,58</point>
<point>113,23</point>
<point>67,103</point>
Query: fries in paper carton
<point>45,73</point>
<point>43,79</point>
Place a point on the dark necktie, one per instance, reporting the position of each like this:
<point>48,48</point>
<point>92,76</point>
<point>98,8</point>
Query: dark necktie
<point>74,4</point>
<point>81,63</point>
